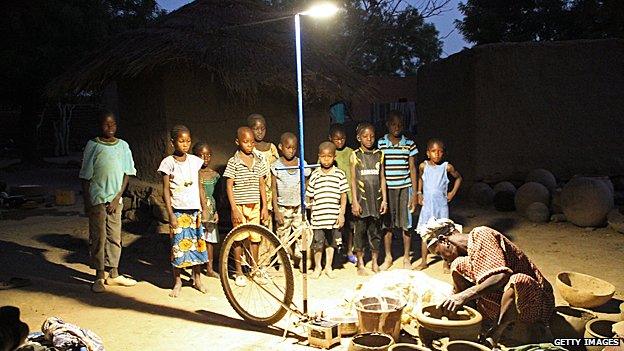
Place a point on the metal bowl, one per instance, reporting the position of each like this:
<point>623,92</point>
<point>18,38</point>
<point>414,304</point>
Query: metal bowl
<point>347,325</point>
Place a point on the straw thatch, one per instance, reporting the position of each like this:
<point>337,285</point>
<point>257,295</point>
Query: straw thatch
<point>215,35</point>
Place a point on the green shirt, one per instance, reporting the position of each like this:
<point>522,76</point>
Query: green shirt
<point>104,166</point>
<point>343,158</point>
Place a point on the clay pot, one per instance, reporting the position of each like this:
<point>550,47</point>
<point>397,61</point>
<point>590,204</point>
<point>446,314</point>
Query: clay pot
<point>481,194</point>
<point>530,193</point>
<point>408,347</point>
<point>586,201</point>
<point>504,201</point>
<point>371,342</point>
<point>462,345</point>
<point>504,186</point>
<point>582,290</point>
<point>463,325</point>
<point>537,212</point>
<point>380,314</point>
<point>569,322</point>
<point>598,328</point>
<point>543,177</point>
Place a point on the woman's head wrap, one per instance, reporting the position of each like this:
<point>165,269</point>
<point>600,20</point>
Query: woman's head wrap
<point>437,228</point>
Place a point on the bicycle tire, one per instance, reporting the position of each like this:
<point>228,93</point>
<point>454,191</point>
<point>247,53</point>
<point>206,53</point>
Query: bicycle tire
<point>227,282</point>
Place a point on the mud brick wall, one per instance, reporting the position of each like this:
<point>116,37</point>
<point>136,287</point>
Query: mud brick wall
<point>505,109</point>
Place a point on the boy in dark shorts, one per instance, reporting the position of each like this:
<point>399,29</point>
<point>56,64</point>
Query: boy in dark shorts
<point>401,178</point>
<point>327,192</point>
<point>368,189</point>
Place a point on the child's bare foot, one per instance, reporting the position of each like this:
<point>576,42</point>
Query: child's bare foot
<point>361,271</point>
<point>446,269</point>
<point>175,292</point>
<point>316,274</point>
<point>329,273</point>
<point>200,287</point>
<point>407,263</point>
<point>212,274</point>
<point>421,266</point>
<point>375,268</point>
<point>386,264</point>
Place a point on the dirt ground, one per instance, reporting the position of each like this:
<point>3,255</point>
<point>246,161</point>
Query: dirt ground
<point>49,246</point>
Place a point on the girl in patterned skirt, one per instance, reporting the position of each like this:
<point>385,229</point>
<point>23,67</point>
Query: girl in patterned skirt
<point>184,199</point>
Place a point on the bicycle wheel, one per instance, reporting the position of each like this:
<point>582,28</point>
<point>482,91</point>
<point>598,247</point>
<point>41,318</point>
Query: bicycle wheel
<point>269,281</point>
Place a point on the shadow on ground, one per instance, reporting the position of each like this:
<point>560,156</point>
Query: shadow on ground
<point>52,278</point>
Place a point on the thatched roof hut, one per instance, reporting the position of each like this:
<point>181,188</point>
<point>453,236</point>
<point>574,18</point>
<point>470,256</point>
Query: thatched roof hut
<point>204,65</point>
<point>237,41</point>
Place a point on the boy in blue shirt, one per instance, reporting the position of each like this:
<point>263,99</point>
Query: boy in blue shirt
<point>401,178</point>
<point>106,165</point>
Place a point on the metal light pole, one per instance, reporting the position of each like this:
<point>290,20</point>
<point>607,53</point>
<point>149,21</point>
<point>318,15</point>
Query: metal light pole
<point>323,10</point>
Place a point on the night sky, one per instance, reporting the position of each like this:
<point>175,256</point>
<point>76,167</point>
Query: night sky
<point>444,23</point>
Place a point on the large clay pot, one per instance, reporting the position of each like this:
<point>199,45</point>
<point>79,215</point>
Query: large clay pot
<point>481,194</point>
<point>371,342</point>
<point>504,186</point>
<point>543,177</point>
<point>582,290</point>
<point>504,201</point>
<point>569,322</point>
<point>462,345</point>
<point>530,193</point>
<point>586,201</point>
<point>463,325</point>
<point>598,328</point>
<point>537,212</point>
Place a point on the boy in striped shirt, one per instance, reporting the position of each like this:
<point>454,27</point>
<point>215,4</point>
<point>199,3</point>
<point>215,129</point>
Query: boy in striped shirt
<point>245,173</point>
<point>327,192</point>
<point>401,178</point>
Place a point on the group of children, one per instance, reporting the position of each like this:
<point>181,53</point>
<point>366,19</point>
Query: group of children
<point>376,182</point>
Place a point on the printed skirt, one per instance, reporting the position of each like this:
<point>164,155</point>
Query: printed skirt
<point>188,244</point>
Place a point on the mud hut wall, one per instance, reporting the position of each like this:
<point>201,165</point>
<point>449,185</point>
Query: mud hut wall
<point>196,100</point>
<point>142,122</point>
<point>445,108</point>
<point>556,106</point>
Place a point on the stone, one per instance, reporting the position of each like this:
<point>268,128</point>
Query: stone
<point>537,212</point>
<point>615,218</point>
<point>530,193</point>
<point>586,201</point>
<point>482,194</point>
<point>504,201</point>
<point>544,177</point>
<point>505,186</point>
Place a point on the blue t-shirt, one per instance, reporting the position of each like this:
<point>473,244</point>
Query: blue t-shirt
<point>288,183</point>
<point>396,161</point>
<point>104,166</point>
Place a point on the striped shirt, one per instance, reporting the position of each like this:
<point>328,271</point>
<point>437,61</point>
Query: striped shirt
<point>246,180</point>
<point>325,190</point>
<point>396,161</point>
